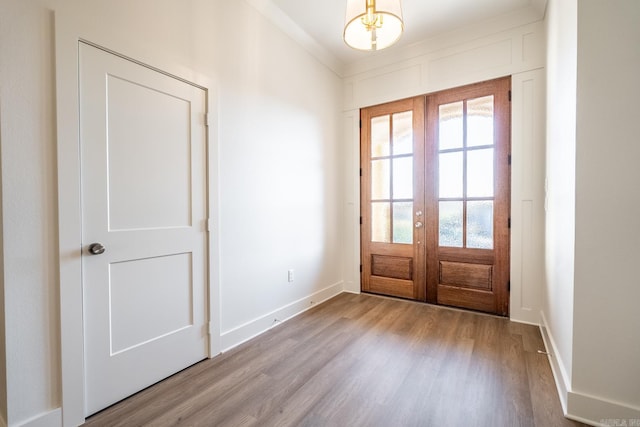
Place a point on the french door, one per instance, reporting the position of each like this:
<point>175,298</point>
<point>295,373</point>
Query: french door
<point>435,197</point>
<point>392,157</point>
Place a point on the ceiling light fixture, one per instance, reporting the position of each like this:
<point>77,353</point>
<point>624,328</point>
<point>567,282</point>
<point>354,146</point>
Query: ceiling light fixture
<point>372,24</point>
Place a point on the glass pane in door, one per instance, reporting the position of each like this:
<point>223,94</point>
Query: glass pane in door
<point>380,136</point>
<point>450,167</point>
<point>480,173</point>
<point>450,233</point>
<point>480,224</point>
<point>403,178</point>
<point>403,222</point>
<point>380,222</point>
<point>451,126</point>
<point>480,121</point>
<point>403,133</point>
<point>380,179</point>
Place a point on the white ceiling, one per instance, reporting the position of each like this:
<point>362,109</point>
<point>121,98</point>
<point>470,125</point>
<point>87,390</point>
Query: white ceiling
<point>323,20</point>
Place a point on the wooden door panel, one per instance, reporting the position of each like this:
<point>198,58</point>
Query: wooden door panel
<point>392,266</point>
<point>392,287</point>
<point>466,275</point>
<point>473,299</point>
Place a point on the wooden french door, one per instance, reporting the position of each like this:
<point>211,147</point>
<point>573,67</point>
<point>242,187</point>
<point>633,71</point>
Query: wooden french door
<point>458,254</point>
<point>392,159</point>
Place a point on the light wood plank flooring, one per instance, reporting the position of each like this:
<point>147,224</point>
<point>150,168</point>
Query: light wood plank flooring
<point>362,360</point>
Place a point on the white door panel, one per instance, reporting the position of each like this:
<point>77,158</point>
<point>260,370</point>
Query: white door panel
<point>143,160</point>
<point>139,118</point>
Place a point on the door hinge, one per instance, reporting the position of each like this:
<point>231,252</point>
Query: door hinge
<point>206,119</point>
<point>360,171</point>
<point>209,224</point>
<point>360,220</point>
<point>509,159</point>
<point>360,268</point>
<point>360,124</point>
<point>509,286</point>
<point>509,96</point>
<point>509,222</point>
<point>210,328</point>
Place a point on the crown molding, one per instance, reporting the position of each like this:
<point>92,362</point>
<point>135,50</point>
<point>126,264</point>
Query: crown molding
<point>288,26</point>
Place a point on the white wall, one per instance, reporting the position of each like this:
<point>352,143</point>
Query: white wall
<point>606,344</point>
<point>29,209</point>
<point>278,127</point>
<point>278,139</point>
<point>590,314</point>
<point>557,309</point>
<point>3,347</point>
<point>280,172</point>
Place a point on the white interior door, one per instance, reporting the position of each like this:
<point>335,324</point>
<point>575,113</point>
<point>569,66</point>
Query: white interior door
<point>143,161</point>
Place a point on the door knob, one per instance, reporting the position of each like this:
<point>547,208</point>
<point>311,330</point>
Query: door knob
<point>419,213</point>
<point>96,248</point>
<point>418,224</point>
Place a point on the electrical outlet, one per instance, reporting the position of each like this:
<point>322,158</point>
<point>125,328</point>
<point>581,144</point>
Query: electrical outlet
<point>290,275</point>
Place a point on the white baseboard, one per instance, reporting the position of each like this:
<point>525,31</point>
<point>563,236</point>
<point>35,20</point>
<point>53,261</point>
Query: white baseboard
<point>524,315</point>
<point>600,412</point>
<point>525,322</point>
<point>351,287</point>
<point>581,407</point>
<point>52,418</point>
<point>255,327</point>
<point>557,366</point>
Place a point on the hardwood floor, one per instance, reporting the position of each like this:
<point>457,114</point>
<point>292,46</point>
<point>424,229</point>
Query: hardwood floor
<point>362,360</point>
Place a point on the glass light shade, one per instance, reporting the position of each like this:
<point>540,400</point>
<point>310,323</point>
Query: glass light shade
<point>385,32</point>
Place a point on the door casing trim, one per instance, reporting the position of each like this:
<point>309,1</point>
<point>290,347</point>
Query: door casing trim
<point>72,377</point>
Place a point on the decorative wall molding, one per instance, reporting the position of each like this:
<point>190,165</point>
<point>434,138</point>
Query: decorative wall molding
<point>435,68</point>
<point>527,195</point>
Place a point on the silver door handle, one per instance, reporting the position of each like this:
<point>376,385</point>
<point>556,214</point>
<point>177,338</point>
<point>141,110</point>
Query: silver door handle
<point>418,224</point>
<point>96,248</point>
<point>419,213</point>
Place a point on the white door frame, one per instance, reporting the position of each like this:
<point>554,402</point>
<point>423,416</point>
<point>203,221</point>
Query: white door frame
<point>68,36</point>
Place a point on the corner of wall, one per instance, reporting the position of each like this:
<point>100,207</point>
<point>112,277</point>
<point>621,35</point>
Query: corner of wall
<point>599,411</point>
<point>3,342</point>
<point>259,325</point>
<point>555,360</point>
<point>52,418</point>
